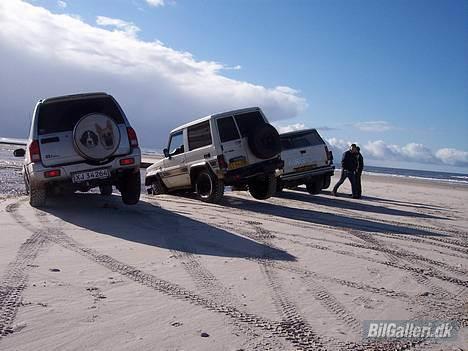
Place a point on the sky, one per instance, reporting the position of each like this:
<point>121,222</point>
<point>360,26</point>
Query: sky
<point>391,76</point>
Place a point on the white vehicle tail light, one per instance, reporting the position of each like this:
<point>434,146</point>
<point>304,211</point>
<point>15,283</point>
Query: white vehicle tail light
<point>132,137</point>
<point>34,151</point>
<point>222,162</point>
<point>127,161</point>
<point>329,155</point>
<point>53,173</point>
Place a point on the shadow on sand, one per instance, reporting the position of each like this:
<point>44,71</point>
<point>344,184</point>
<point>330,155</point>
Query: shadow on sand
<point>352,205</point>
<point>323,218</point>
<point>149,224</point>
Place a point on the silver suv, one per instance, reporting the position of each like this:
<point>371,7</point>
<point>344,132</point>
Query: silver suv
<point>238,148</point>
<point>307,160</point>
<point>78,142</point>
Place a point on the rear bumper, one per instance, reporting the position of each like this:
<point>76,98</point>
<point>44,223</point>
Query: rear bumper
<point>327,170</point>
<point>34,172</point>
<point>243,174</point>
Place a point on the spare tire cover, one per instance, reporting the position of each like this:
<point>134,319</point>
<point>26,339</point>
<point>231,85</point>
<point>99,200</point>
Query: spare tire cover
<point>264,141</point>
<point>96,136</point>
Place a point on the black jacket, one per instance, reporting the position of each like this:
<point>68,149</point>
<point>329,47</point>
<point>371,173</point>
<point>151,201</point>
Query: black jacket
<point>360,161</point>
<point>349,161</point>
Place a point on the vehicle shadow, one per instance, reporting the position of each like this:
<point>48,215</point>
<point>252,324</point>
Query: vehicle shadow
<point>352,205</point>
<point>384,200</point>
<point>148,224</point>
<point>323,218</point>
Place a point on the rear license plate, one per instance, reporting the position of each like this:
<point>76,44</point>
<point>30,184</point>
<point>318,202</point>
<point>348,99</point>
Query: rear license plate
<point>80,177</point>
<point>237,164</point>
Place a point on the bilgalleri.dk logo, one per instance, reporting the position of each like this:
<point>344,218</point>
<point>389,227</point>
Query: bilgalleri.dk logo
<point>405,329</point>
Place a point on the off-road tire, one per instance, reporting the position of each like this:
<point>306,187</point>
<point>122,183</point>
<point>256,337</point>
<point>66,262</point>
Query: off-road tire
<point>37,196</point>
<point>208,187</point>
<point>130,188</point>
<point>157,187</point>
<point>105,190</point>
<point>264,141</point>
<point>263,187</point>
<point>314,187</point>
<point>326,182</point>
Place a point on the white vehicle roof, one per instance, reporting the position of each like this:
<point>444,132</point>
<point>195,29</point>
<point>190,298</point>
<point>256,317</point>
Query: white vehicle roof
<point>298,132</point>
<point>220,114</point>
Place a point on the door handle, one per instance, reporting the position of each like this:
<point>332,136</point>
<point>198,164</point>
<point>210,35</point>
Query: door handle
<point>303,151</point>
<point>208,155</point>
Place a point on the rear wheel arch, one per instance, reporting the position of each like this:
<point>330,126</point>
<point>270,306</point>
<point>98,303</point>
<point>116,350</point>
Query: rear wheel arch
<point>196,170</point>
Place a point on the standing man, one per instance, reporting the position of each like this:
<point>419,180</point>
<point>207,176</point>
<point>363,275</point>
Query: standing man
<point>360,167</point>
<point>349,165</point>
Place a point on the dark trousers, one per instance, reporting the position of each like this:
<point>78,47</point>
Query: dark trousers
<point>352,179</point>
<point>358,184</point>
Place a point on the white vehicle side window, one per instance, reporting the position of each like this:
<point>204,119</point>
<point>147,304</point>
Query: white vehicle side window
<point>199,135</point>
<point>176,144</point>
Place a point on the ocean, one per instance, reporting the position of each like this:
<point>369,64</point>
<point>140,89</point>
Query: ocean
<point>459,178</point>
<point>8,163</point>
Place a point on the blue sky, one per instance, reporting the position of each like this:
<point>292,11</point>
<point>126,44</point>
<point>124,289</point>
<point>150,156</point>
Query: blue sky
<point>390,71</point>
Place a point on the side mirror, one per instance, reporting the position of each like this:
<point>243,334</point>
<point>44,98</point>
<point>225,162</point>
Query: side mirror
<point>166,152</point>
<point>19,152</point>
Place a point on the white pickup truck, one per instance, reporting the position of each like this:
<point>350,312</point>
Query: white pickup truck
<point>307,160</point>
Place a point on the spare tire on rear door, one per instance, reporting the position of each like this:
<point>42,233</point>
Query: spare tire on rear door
<point>264,141</point>
<point>96,137</point>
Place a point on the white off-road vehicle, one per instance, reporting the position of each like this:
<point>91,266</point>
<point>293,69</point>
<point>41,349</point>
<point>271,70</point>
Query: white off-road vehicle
<point>238,148</point>
<point>78,142</point>
<point>307,160</point>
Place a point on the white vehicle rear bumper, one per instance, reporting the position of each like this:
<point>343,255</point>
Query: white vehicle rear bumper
<point>308,174</point>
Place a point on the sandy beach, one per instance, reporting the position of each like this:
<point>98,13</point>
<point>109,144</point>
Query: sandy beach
<point>295,272</point>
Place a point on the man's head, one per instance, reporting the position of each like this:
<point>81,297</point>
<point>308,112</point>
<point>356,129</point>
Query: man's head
<point>353,148</point>
<point>358,149</point>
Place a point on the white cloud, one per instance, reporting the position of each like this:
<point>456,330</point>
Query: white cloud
<point>289,128</point>
<point>127,27</point>
<point>411,152</point>
<point>61,4</point>
<point>373,126</point>
<point>45,54</point>
<point>339,145</point>
<point>452,157</point>
<point>155,3</point>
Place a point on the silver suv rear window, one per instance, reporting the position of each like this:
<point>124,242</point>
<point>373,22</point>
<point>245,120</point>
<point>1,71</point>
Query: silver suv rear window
<point>62,116</point>
<point>301,140</point>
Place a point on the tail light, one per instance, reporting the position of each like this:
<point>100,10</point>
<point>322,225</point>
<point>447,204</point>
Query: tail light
<point>222,162</point>
<point>127,161</point>
<point>34,151</point>
<point>53,173</point>
<point>132,137</point>
<point>329,155</point>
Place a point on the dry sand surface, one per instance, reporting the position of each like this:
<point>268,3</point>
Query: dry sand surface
<point>295,272</point>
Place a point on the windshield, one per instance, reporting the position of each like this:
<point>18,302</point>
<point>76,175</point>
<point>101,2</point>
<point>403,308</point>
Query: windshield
<point>62,116</point>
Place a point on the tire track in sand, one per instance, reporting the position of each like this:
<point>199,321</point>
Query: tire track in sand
<point>299,336</point>
<point>15,278</point>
